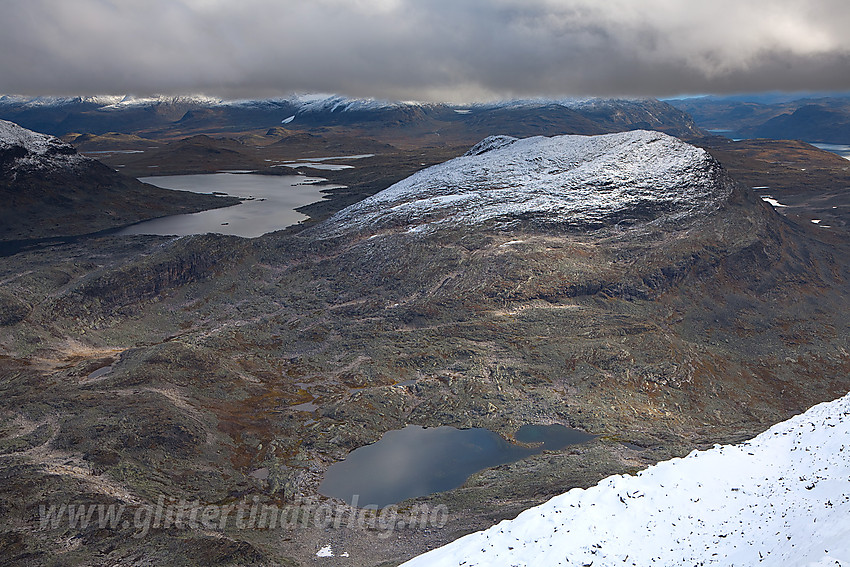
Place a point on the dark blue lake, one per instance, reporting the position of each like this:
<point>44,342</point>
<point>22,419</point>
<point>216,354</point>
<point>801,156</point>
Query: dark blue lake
<point>416,461</point>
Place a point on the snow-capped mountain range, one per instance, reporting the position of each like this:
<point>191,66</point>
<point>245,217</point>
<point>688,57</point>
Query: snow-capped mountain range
<point>782,498</point>
<point>307,102</point>
<point>569,181</point>
<point>105,101</point>
<point>456,123</point>
<point>298,103</point>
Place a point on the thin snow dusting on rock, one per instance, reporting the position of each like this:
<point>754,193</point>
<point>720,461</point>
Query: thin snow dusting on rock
<point>25,148</point>
<point>782,498</point>
<point>583,182</point>
<point>13,135</point>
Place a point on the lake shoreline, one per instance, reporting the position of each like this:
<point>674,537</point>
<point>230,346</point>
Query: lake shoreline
<point>267,204</point>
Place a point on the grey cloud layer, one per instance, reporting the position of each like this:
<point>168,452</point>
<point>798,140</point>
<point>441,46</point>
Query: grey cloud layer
<point>438,49</point>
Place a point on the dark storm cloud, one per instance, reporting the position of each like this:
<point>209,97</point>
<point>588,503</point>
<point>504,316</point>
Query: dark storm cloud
<point>443,49</point>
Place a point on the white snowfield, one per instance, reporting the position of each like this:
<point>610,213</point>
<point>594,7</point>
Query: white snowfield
<point>781,499</point>
<point>581,181</point>
<point>42,151</point>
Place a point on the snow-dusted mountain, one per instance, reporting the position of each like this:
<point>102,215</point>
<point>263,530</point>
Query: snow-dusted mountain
<point>782,498</point>
<point>305,102</point>
<point>22,148</point>
<point>575,103</point>
<point>105,101</point>
<point>338,103</point>
<point>568,181</point>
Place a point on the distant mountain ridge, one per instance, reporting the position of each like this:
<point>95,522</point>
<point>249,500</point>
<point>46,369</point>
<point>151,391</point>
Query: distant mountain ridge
<point>168,116</point>
<point>819,118</point>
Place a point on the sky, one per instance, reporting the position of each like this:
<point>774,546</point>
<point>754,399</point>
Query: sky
<point>439,50</point>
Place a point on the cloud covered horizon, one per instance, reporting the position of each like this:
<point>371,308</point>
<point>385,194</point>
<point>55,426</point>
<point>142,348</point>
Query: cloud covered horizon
<point>447,50</point>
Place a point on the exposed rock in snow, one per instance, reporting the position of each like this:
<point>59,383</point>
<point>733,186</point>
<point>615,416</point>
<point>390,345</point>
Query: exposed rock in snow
<point>782,498</point>
<point>582,182</point>
<point>489,144</point>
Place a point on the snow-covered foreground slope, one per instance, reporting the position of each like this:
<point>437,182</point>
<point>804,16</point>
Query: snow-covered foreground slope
<point>782,498</point>
<point>573,181</point>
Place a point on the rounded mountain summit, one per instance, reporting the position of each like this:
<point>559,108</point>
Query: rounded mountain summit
<point>573,182</point>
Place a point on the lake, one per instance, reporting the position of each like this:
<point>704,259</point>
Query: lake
<point>841,149</point>
<point>416,461</point>
<point>270,205</point>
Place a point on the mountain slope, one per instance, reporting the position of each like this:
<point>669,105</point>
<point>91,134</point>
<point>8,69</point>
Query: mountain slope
<point>809,122</point>
<point>779,499</point>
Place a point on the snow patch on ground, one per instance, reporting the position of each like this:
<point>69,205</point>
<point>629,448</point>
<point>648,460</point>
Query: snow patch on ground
<point>771,201</point>
<point>578,181</point>
<point>782,498</point>
<point>326,551</point>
